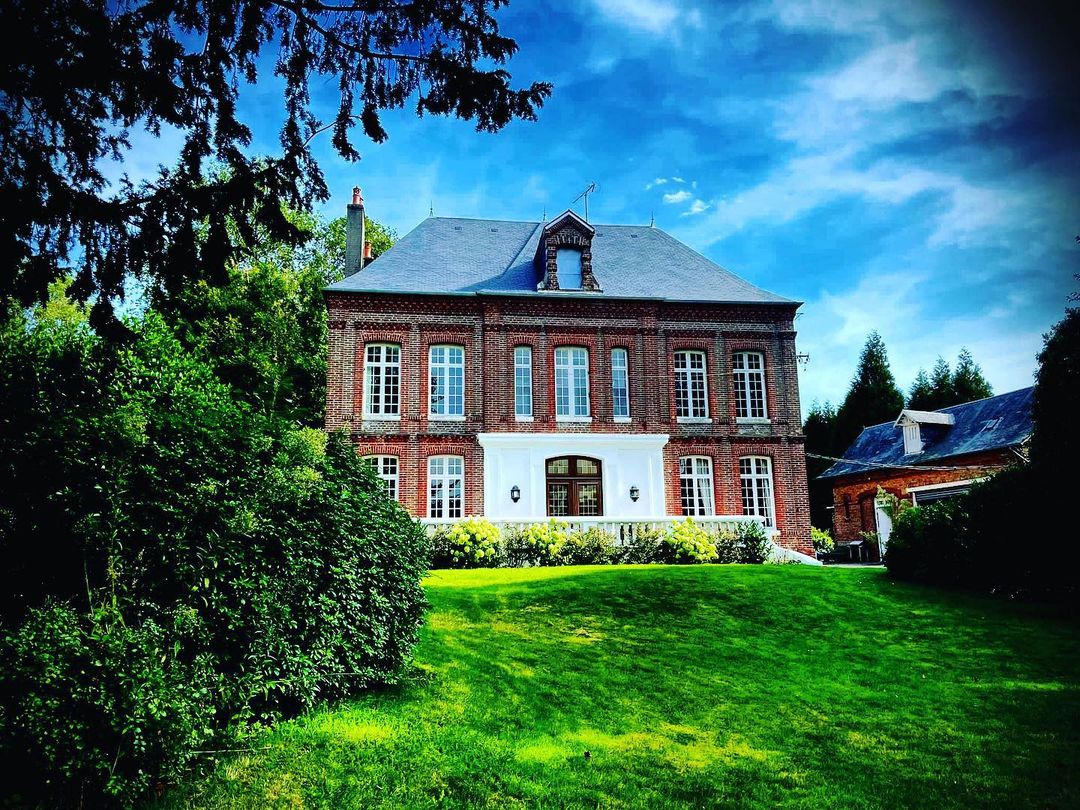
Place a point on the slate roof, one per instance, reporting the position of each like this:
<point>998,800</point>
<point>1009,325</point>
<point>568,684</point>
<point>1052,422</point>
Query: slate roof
<point>450,256</point>
<point>884,443</point>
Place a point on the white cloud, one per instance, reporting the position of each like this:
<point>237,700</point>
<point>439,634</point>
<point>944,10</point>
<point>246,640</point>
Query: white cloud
<point>653,17</point>
<point>682,195</point>
<point>696,207</point>
<point>659,181</point>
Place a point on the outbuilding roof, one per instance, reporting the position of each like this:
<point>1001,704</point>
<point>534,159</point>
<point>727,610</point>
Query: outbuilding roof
<point>986,424</point>
<point>450,256</point>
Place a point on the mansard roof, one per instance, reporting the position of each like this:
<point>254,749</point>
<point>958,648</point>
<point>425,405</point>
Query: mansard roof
<point>994,423</point>
<point>450,256</point>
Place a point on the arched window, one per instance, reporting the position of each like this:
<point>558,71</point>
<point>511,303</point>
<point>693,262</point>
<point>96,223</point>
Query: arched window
<point>574,487</point>
<point>696,485</point>
<point>523,383</point>
<point>748,376</point>
<point>571,383</point>
<point>382,381</point>
<point>446,372</point>
<point>691,386</point>
<point>755,478</point>
<point>446,486</point>
<point>620,387</point>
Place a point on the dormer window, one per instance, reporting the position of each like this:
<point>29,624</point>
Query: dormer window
<point>911,423</point>
<point>568,260</point>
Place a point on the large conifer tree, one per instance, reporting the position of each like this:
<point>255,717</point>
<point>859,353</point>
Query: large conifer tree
<point>873,396</point>
<point>922,392</point>
<point>968,382</point>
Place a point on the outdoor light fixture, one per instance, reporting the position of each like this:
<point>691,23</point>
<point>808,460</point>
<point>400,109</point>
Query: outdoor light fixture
<point>635,493</point>
<point>515,493</point>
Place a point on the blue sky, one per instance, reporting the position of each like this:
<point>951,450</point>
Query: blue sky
<point>907,167</point>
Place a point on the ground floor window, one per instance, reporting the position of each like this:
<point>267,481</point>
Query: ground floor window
<point>574,487</point>
<point>386,467</point>
<point>695,485</point>
<point>446,486</point>
<point>755,478</point>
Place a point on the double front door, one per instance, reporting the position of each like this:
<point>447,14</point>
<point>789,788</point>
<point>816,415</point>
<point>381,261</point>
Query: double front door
<point>574,487</point>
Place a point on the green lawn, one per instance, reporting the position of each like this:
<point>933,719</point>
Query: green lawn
<point>694,686</point>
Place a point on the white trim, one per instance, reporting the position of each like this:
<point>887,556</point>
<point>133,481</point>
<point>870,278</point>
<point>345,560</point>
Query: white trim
<point>693,420</point>
<point>579,419</point>
<point>438,417</point>
<point>947,485</point>
<point>643,440</point>
<point>523,418</point>
<point>753,420</point>
<point>622,420</point>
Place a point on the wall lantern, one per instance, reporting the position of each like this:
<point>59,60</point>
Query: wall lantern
<point>515,493</point>
<point>635,493</point>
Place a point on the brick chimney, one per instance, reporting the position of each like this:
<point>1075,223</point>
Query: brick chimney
<point>354,233</point>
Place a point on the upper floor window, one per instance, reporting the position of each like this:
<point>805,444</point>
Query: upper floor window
<point>446,368</point>
<point>691,388</point>
<point>620,388</point>
<point>755,478</point>
<point>695,485</point>
<point>382,381</point>
<point>386,468</point>
<point>748,372</point>
<point>446,486</point>
<point>523,382</point>
<point>568,262</point>
<point>571,382</point>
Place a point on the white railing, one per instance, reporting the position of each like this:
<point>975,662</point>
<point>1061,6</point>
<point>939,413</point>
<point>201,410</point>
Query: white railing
<point>624,530</point>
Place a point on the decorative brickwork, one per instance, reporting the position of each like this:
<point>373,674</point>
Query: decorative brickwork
<point>489,328</point>
<point>568,231</point>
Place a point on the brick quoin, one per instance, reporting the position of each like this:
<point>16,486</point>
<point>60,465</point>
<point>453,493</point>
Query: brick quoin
<point>489,327</point>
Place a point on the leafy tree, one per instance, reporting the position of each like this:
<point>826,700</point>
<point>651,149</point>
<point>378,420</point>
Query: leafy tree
<point>264,330</point>
<point>80,75</point>
<point>1057,390</point>
<point>921,396</point>
<point>819,429</point>
<point>873,396</point>
<point>968,382</point>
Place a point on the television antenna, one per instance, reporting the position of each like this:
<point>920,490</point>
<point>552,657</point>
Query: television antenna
<point>589,189</point>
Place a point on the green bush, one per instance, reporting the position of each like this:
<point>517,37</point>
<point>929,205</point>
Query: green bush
<point>644,548</point>
<point>94,707</point>
<point>931,543</point>
<point>536,544</point>
<point>748,544</point>
<point>822,540</point>
<point>133,472</point>
<point>592,546</point>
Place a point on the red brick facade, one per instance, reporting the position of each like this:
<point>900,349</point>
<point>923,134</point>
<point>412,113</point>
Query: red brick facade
<point>489,327</point>
<point>854,495</point>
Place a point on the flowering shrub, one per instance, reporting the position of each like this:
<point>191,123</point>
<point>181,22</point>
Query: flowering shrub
<point>589,547</point>
<point>822,540</point>
<point>687,542</point>
<point>473,543</point>
<point>537,544</point>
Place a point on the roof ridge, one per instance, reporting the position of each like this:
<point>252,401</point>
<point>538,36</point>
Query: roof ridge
<point>984,399</point>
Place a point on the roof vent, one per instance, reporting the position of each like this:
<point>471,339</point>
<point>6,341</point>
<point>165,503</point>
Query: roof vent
<point>991,424</point>
<point>457,227</point>
<point>494,230</point>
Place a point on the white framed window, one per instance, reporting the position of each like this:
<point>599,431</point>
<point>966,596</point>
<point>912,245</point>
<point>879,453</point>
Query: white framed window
<point>446,486</point>
<point>696,485</point>
<point>572,383</point>
<point>386,468</point>
<point>620,385</point>
<point>755,478</point>
<point>568,264</point>
<point>446,372</point>
<point>691,385</point>
<point>748,376</point>
<point>382,381</point>
<point>523,405</point>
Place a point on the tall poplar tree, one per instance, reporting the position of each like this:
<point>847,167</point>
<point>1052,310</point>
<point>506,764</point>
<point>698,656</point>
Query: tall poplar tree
<point>873,396</point>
